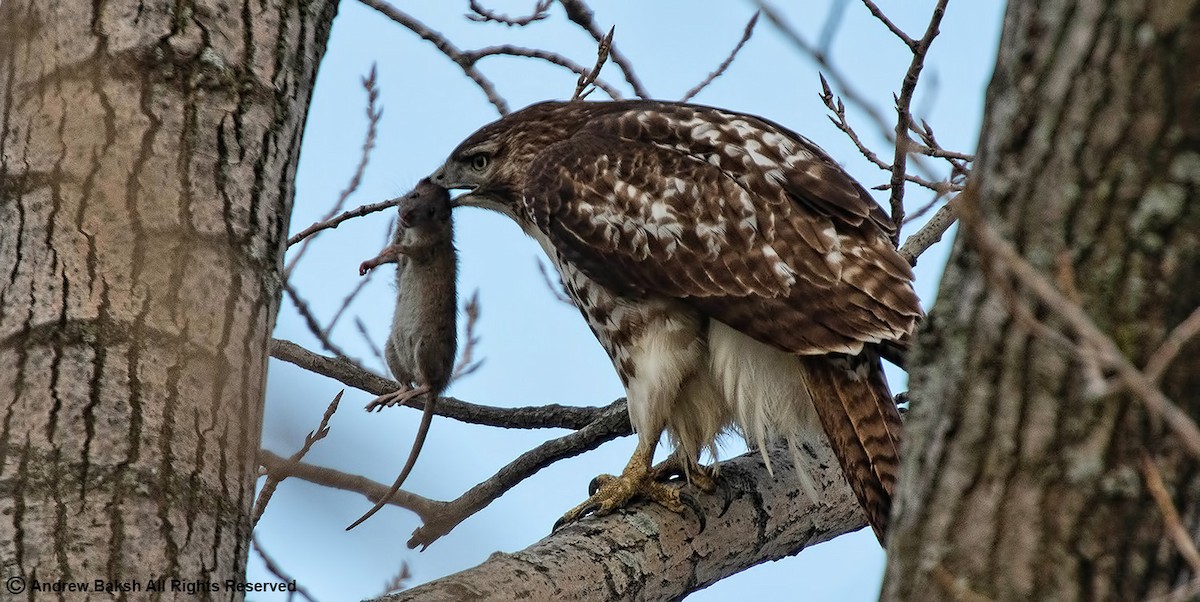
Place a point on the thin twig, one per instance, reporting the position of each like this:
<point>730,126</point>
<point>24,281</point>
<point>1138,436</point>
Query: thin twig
<point>545,55</point>
<point>351,375</point>
<point>930,233</point>
<point>580,14</point>
<point>833,24</point>
<point>586,79</point>
<point>725,63</point>
<point>851,94</point>
<point>899,33</point>
<point>556,290</point>
<point>362,330</point>
<point>442,44</point>
<point>310,320</point>
<point>1166,353</point>
<point>466,364</point>
<point>373,116</point>
<point>337,221</point>
<point>1002,254</point>
<point>913,216</point>
<point>274,568</point>
<point>269,486</point>
<point>482,15</point>
<point>362,283</point>
<point>1175,530</point>
<point>839,120</point>
<point>904,120</point>
<point>399,581</point>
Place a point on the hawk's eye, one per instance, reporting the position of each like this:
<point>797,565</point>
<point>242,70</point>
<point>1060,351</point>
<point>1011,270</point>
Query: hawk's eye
<point>479,162</point>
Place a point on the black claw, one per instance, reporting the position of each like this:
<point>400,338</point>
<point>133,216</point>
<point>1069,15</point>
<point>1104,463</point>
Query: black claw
<point>692,503</point>
<point>564,520</point>
<point>594,486</point>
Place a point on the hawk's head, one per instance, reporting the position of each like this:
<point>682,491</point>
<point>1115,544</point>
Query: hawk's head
<point>493,163</point>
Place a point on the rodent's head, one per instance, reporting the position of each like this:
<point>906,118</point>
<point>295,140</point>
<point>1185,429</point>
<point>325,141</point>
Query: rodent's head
<point>425,212</point>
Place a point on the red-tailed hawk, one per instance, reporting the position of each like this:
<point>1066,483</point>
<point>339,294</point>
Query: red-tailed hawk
<point>734,273</point>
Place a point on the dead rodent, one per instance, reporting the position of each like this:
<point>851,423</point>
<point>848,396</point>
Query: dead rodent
<point>423,341</point>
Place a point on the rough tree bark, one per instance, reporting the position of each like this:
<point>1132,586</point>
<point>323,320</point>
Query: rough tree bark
<point>147,153</point>
<point>1021,477</point>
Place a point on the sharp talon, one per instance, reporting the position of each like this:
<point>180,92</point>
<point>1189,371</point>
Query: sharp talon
<point>597,482</point>
<point>694,505</point>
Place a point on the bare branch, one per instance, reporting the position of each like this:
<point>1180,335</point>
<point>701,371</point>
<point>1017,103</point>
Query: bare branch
<point>930,233</point>
<point>612,424</point>
<point>399,581</point>
<point>362,330</point>
<point>528,417</point>
<point>283,468</point>
<point>1095,342</point>
<point>851,94</point>
<point>838,118</point>
<point>439,518</point>
<point>899,33</point>
<point>274,568</point>
<point>442,44</point>
<point>545,55</point>
<point>833,23</point>
<point>373,115</point>
<point>586,79</point>
<point>1175,530</point>
<point>337,221</point>
<point>580,14</point>
<point>314,326</point>
<point>466,365</point>
<point>362,283</point>
<point>724,64</point>
<point>903,104</point>
<point>1162,357</point>
<point>269,486</point>
<point>752,518</point>
<point>556,290</point>
<point>480,14</point>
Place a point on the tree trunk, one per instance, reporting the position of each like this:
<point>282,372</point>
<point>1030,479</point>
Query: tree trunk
<point>147,153</point>
<point>1022,475</point>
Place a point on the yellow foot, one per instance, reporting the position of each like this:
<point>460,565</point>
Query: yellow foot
<point>703,477</point>
<point>609,493</point>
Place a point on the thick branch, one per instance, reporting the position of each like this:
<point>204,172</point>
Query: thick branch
<point>647,552</point>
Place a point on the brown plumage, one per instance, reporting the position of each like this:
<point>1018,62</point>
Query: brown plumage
<point>422,343</point>
<point>736,275</point>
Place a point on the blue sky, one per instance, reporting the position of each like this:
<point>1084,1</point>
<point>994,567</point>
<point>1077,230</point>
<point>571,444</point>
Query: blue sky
<point>536,349</point>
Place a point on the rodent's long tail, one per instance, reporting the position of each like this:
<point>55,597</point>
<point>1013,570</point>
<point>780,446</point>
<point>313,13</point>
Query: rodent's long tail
<point>418,443</point>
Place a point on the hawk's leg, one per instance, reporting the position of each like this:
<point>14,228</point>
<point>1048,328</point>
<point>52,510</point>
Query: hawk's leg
<point>703,477</point>
<point>610,492</point>
<point>397,397</point>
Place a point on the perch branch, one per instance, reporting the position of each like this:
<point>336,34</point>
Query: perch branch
<point>656,554</point>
